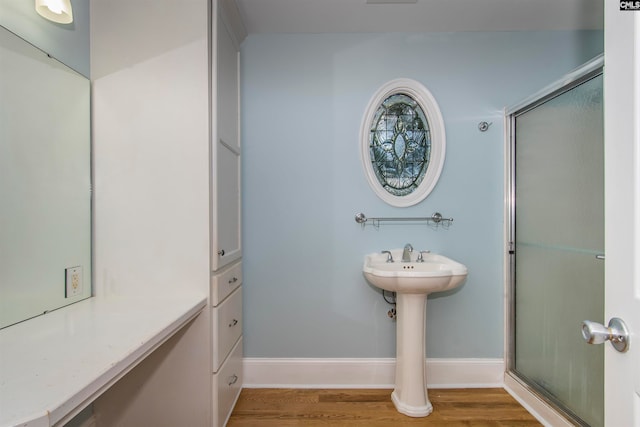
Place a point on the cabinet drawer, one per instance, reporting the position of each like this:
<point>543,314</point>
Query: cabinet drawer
<point>227,327</point>
<point>227,384</point>
<point>223,283</point>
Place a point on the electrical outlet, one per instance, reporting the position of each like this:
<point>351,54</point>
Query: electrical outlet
<point>73,281</point>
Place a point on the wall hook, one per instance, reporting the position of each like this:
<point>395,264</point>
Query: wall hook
<point>484,126</point>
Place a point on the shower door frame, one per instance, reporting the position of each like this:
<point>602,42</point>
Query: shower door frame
<point>537,402</point>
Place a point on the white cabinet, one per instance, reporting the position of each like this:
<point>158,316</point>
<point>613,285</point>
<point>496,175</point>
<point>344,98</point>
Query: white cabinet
<point>226,321</point>
<point>225,282</point>
<point>226,329</point>
<point>226,249</point>
<point>226,213</point>
<point>227,384</point>
<point>227,57</point>
<point>225,177</point>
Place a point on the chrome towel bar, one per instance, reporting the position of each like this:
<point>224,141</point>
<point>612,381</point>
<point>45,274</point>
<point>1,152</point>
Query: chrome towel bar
<point>436,218</point>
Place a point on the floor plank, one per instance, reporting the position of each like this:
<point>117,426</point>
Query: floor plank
<point>373,408</point>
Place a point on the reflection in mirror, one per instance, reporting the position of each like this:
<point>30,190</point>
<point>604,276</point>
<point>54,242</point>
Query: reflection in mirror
<point>45,182</point>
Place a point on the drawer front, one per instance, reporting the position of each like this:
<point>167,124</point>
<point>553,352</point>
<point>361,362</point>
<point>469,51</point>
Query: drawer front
<point>227,327</point>
<point>227,384</point>
<point>225,282</point>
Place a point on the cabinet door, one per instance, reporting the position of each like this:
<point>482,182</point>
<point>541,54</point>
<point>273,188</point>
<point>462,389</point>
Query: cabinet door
<point>227,243</point>
<point>228,89</point>
<point>226,226</point>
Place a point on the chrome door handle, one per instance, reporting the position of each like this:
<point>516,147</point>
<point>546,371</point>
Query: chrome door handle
<point>617,333</point>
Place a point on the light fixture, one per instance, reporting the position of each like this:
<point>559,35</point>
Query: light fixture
<point>55,10</point>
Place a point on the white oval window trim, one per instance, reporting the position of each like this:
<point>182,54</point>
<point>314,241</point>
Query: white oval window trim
<point>438,140</point>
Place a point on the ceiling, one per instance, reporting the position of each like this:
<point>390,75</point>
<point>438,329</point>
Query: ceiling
<point>348,16</point>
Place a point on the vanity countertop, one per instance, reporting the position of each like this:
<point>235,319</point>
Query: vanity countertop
<point>54,365</point>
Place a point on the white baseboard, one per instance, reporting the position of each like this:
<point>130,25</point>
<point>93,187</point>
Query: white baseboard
<point>367,373</point>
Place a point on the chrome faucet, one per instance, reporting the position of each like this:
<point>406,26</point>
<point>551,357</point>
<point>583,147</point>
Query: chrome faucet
<point>406,254</point>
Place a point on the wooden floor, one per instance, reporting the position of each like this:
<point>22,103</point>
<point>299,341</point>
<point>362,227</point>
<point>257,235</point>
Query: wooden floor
<point>373,408</point>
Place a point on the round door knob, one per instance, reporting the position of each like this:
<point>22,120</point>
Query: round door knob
<point>617,333</point>
<point>594,332</point>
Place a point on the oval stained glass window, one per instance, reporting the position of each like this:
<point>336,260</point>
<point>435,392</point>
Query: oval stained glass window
<point>399,144</point>
<point>403,142</point>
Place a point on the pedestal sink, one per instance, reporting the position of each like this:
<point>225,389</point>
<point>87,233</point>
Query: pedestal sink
<point>412,281</point>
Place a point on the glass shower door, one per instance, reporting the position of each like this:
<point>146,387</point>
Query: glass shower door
<point>558,267</point>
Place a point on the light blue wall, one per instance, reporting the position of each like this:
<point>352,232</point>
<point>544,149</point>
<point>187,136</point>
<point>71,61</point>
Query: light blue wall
<point>303,100</point>
<point>67,43</point>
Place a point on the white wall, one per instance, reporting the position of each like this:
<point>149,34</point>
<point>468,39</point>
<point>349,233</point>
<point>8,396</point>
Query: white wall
<point>303,101</point>
<point>150,70</point>
<point>151,146</point>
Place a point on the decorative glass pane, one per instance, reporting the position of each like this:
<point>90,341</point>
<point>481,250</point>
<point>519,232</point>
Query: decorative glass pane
<point>400,144</point>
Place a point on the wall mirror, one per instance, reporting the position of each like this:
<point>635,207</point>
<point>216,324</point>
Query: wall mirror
<point>45,182</point>
<point>402,142</point>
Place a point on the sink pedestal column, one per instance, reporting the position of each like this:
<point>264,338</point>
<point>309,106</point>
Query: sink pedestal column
<point>410,393</point>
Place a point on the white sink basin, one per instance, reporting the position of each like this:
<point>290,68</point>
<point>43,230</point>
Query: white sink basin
<point>435,274</point>
<point>412,281</point>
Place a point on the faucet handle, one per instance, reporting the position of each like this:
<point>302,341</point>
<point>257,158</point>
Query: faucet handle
<point>420,258</point>
<point>389,257</point>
